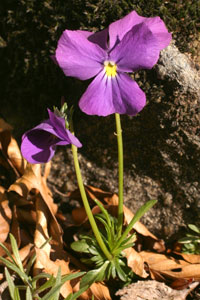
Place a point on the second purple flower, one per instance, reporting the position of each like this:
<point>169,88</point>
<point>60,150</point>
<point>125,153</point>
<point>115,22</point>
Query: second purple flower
<point>134,43</point>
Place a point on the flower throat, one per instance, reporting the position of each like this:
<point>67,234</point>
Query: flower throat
<point>110,68</point>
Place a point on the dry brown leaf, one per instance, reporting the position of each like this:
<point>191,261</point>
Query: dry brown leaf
<point>51,267</point>
<point>32,180</point>
<point>170,268</point>
<point>79,215</point>
<point>5,126</point>
<point>191,258</point>
<point>15,229</point>
<point>98,289</point>
<point>187,272</point>
<point>41,232</point>
<point>5,215</point>
<point>10,148</point>
<point>135,262</point>
<point>161,262</point>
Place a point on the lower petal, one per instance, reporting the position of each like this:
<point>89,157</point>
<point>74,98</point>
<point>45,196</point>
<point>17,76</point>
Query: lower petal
<point>34,154</point>
<point>105,96</point>
<point>98,99</point>
<point>128,98</point>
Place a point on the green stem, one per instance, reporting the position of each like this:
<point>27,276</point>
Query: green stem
<point>121,167</point>
<point>87,207</point>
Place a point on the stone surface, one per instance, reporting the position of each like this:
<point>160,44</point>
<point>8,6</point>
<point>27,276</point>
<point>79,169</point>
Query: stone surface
<point>153,290</point>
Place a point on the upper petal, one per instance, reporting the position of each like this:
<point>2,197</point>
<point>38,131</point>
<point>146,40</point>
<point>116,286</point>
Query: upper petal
<point>77,56</point>
<point>100,38</point>
<point>138,49</point>
<point>65,136</point>
<point>119,28</point>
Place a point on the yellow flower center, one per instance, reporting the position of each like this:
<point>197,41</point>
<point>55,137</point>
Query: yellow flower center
<point>110,68</point>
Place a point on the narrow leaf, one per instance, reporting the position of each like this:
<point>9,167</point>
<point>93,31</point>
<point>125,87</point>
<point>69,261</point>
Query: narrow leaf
<point>58,281</point>
<point>13,267</point>
<point>140,212</point>
<point>16,294</point>
<point>7,252</point>
<point>11,285</point>
<point>46,285</point>
<point>16,252</point>
<point>194,228</point>
<point>28,294</point>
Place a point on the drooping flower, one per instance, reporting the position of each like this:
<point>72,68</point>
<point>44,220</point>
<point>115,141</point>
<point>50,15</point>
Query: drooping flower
<point>39,144</point>
<point>134,43</point>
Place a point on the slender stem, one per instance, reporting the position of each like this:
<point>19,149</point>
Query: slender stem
<point>87,207</point>
<point>121,167</point>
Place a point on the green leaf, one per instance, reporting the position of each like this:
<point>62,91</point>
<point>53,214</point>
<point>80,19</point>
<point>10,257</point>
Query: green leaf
<point>8,253</point>
<point>11,284</point>
<point>185,240</point>
<point>72,276</point>
<point>16,252</point>
<point>52,292</point>
<point>46,285</point>
<point>94,275</point>
<point>16,269</point>
<point>80,246</point>
<point>28,294</point>
<point>41,275</point>
<point>104,211</point>
<point>120,272</point>
<point>16,294</point>
<point>140,212</point>
<point>194,228</point>
<point>58,281</point>
<point>76,295</point>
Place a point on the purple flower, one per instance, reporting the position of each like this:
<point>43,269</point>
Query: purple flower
<point>39,144</point>
<point>135,43</point>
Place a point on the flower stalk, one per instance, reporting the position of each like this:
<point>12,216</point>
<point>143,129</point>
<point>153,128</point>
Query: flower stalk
<point>87,206</point>
<point>121,171</point>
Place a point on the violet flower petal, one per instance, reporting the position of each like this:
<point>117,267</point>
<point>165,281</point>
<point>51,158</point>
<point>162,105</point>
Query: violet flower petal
<point>60,131</point>
<point>100,38</point>
<point>106,95</point>
<point>37,146</point>
<point>97,99</point>
<point>77,56</point>
<point>128,98</point>
<point>119,28</point>
<point>137,50</point>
